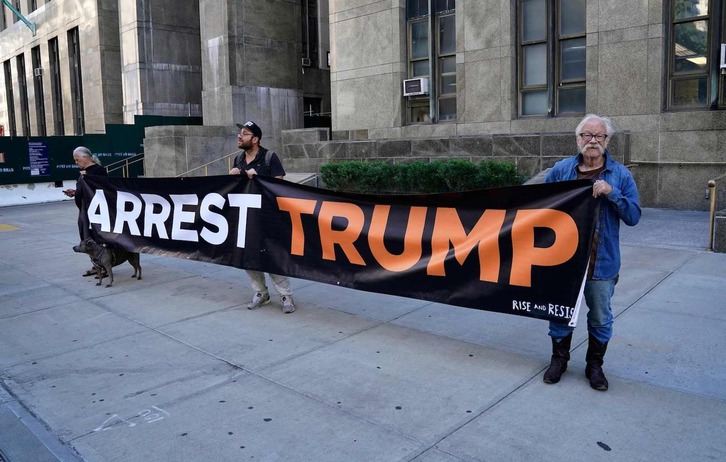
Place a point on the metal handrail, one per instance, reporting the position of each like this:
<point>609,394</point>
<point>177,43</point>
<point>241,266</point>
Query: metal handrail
<point>678,162</point>
<point>119,162</point>
<point>712,209</point>
<point>205,166</point>
<point>124,165</point>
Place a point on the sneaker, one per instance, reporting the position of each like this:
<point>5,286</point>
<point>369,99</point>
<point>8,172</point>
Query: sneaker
<point>258,300</point>
<point>287,305</point>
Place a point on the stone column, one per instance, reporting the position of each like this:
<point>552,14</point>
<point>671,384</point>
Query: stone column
<point>251,61</point>
<point>160,56</point>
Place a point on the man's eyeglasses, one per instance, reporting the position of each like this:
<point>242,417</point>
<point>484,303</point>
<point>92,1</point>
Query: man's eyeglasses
<point>588,136</point>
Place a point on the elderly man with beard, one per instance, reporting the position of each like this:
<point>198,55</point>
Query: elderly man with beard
<point>615,187</point>
<point>256,160</point>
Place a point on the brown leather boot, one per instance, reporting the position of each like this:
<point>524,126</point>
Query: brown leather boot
<point>560,356</point>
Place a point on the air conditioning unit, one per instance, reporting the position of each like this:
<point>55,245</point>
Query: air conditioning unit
<point>415,87</point>
<point>306,62</point>
<point>723,56</point>
<point>38,71</point>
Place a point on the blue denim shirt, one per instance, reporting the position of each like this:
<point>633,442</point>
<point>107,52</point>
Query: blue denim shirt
<point>621,204</point>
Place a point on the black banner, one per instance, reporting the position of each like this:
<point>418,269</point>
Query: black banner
<point>520,250</point>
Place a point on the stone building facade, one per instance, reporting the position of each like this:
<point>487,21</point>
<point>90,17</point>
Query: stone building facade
<point>506,78</point>
<point>511,80</point>
<point>526,70</point>
<point>94,62</point>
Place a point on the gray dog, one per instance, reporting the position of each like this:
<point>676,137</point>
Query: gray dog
<point>105,258</point>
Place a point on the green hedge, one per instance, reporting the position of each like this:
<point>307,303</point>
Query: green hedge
<point>376,177</point>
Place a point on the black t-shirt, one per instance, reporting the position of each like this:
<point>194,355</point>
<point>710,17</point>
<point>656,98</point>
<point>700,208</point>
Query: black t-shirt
<point>93,169</point>
<point>260,164</point>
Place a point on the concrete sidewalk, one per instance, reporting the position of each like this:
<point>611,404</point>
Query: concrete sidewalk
<point>173,367</point>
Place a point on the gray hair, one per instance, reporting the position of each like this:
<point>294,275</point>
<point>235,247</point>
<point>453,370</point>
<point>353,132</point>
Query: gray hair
<point>85,152</point>
<point>605,121</point>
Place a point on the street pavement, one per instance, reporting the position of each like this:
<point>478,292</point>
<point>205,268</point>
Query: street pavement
<point>174,367</point>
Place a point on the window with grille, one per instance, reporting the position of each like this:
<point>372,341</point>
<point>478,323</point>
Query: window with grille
<point>432,56</point>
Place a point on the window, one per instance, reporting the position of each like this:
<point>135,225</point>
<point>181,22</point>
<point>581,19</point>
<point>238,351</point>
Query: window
<point>16,4</point>
<point>310,32</point>
<point>3,20</point>
<point>432,37</point>
<point>55,87</point>
<point>23,87</point>
<point>10,98</point>
<point>32,5</point>
<point>74,61</point>
<point>694,54</point>
<point>312,106</point>
<point>38,90</point>
<point>551,58</point>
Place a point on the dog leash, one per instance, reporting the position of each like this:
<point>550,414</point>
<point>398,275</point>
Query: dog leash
<point>97,258</point>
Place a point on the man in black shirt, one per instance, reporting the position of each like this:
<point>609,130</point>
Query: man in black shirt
<point>256,160</point>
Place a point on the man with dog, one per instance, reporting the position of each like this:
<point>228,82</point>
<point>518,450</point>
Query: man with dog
<point>615,188</point>
<point>256,160</point>
<point>89,165</point>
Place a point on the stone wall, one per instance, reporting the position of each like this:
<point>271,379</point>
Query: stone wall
<point>173,150</point>
<point>307,149</point>
<point>719,232</point>
<point>662,184</point>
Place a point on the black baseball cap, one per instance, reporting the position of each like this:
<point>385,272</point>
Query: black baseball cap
<point>251,126</point>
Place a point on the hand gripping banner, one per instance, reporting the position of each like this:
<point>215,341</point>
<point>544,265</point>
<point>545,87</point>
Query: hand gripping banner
<point>519,250</point>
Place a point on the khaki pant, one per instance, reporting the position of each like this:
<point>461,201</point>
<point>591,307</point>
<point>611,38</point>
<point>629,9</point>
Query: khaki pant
<point>280,283</point>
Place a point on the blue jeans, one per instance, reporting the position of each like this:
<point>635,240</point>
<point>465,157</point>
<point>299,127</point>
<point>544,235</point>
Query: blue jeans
<point>599,314</point>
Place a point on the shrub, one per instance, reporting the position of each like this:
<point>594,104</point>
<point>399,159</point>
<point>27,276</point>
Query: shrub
<point>460,175</point>
<point>418,177</point>
<point>495,174</point>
